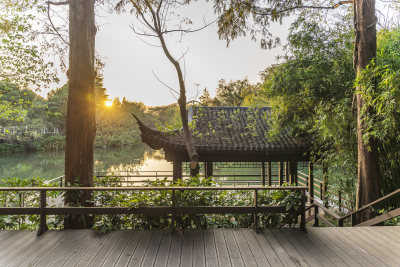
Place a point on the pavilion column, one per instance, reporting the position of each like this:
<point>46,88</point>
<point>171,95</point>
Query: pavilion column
<point>209,168</point>
<point>280,172</point>
<point>287,175</point>
<point>177,170</point>
<point>269,173</point>
<point>195,172</point>
<point>263,173</point>
<point>293,172</point>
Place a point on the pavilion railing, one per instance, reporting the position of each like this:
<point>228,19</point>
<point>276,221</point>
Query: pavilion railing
<point>173,209</point>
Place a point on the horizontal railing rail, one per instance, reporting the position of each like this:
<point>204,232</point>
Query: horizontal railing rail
<point>174,209</point>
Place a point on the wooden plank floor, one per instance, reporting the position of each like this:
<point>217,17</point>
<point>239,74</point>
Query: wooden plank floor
<point>358,246</point>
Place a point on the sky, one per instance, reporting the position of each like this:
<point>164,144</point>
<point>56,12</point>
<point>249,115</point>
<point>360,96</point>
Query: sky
<point>130,62</point>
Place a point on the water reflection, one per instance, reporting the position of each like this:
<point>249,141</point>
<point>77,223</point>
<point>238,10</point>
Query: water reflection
<point>50,165</point>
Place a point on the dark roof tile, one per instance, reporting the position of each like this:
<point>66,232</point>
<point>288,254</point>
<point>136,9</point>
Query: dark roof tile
<point>218,129</point>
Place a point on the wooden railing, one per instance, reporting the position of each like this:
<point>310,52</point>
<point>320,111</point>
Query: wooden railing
<point>353,215</point>
<point>43,210</point>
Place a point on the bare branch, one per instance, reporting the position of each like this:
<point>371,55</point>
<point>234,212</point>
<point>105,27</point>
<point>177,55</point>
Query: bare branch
<point>58,3</point>
<point>166,85</point>
<point>153,45</point>
<point>142,33</point>
<point>141,13</point>
<point>189,30</point>
<point>183,54</point>
<point>52,24</point>
<point>340,3</point>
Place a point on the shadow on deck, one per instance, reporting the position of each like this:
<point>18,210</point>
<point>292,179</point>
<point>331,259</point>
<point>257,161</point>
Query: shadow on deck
<point>357,246</point>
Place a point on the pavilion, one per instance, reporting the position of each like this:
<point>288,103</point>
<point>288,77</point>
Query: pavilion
<point>231,134</point>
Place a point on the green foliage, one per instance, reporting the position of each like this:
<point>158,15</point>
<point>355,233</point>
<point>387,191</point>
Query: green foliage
<point>104,223</point>
<point>24,115</point>
<point>254,18</point>
<point>149,198</point>
<point>380,88</point>
<point>233,93</point>
<point>311,96</point>
<point>25,199</point>
<point>21,61</point>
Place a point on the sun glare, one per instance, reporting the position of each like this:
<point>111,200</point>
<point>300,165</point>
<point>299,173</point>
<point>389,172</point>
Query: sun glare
<point>108,103</point>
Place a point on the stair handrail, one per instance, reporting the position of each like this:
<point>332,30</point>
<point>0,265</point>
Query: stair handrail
<point>371,204</point>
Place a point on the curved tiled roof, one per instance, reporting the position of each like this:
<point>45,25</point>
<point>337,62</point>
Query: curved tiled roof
<point>225,129</point>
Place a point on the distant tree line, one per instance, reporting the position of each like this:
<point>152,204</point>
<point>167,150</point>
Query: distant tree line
<point>31,121</point>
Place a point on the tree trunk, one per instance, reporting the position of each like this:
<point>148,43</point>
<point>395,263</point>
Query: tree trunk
<point>368,188</point>
<point>194,157</point>
<point>81,124</point>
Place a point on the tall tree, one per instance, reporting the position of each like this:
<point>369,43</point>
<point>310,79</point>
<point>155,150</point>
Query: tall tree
<point>240,17</point>
<point>81,107</point>
<point>155,15</point>
<point>368,188</point>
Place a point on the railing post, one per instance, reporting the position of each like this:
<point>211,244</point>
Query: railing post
<point>340,201</point>
<point>316,220</point>
<point>325,186</point>
<point>340,222</point>
<point>321,192</point>
<point>42,226</point>
<point>173,210</point>
<point>311,183</point>
<point>255,219</point>
<point>353,219</point>
<point>303,211</point>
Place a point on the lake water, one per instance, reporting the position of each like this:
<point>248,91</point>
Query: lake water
<point>140,159</point>
<point>51,164</point>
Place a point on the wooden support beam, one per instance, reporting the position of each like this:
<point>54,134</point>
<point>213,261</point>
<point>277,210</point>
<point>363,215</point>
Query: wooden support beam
<point>177,170</point>
<point>287,175</point>
<point>42,225</point>
<point>280,172</point>
<point>209,169</point>
<point>293,172</point>
<point>263,173</point>
<point>269,173</point>
<point>303,212</point>
<point>195,172</point>
<point>255,215</point>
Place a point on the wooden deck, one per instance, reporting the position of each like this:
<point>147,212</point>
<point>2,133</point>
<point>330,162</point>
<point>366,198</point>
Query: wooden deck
<point>359,246</point>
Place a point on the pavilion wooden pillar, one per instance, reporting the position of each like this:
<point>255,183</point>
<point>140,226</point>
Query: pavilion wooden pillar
<point>287,175</point>
<point>263,173</point>
<point>280,172</point>
<point>293,172</point>
<point>208,168</point>
<point>269,174</point>
<point>195,172</point>
<point>177,170</point>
